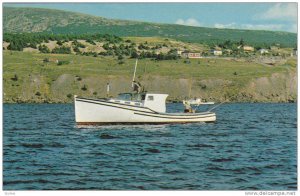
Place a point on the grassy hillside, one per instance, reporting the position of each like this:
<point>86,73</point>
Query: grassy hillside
<point>98,44</point>
<point>18,20</point>
<point>28,78</point>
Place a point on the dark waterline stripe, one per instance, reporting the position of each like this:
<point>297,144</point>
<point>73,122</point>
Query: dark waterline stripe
<point>139,123</point>
<point>174,117</point>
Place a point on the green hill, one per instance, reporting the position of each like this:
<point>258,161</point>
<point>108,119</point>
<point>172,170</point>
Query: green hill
<point>29,20</point>
<point>37,77</point>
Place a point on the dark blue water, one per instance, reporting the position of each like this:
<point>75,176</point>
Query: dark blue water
<point>250,147</point>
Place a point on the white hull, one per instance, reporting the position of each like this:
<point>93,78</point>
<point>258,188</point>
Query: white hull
<point>91,111</point>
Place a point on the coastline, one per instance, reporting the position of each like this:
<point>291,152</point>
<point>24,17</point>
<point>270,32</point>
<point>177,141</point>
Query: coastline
<point>278,88</point>
<point>217,81</point>
<point>168,102</point>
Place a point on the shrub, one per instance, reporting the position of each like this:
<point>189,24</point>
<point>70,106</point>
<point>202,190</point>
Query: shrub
<point>46,60</point>
<point>69,96</point>
<point>91,41</point>
<point>84,88</point>
<point>134,55</point>
<point>187,61</point>
<point>120,57</point>
<point>63,62</point>
<point>15,78</point>
<point>59,43</point>
<point>32,45</point>
<point>62,50</point>
<point>78,44</point>
<point>103,53</point>
<point>106,46</point>
<point>76,49</point>
<point>38,93</point>
<point>44,49</point>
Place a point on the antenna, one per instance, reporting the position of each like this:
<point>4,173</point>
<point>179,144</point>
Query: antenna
<point>134,71</point>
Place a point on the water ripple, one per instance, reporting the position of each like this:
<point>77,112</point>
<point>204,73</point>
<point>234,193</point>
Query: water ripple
<point>250,147</point>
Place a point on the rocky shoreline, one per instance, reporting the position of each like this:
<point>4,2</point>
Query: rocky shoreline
<point>278,88</point>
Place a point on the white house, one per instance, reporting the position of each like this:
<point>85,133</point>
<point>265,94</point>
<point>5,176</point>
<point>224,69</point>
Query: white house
<point>179,52</point>
<point>274,47</point>
<point>263,51</point>
<point>248,48</point>
<point>191,55</point>
<point>217,52</point>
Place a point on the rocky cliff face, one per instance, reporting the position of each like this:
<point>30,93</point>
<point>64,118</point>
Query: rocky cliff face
<point>279,87</point>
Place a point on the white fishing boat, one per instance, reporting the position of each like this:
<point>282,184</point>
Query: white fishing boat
<point>138,107</point>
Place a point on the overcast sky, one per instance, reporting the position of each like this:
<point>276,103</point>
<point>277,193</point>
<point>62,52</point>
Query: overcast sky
<point>261,16</point>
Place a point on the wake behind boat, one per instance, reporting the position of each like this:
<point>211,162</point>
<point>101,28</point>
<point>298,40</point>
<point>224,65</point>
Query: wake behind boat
<point>138,107</point>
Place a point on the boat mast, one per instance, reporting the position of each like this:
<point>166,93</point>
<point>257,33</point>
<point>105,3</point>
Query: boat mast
<point>134,72</point>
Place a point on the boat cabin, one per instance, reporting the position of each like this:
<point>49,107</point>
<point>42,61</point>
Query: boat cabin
<point>156,102</point>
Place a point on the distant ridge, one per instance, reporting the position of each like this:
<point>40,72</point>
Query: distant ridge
<point>30,20</point>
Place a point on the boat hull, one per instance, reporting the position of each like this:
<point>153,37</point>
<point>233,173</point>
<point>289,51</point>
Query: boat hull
<point>103,112</point>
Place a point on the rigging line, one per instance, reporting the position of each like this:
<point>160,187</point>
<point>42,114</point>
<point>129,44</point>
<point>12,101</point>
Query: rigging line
<point>197,107</point>
<point>216,106</point>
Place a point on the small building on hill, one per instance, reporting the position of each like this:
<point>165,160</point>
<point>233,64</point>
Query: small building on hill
<point>191,55</point>
<point>217,52</point>
<point>179,52</point>
<point>263,51</point>
<point>274,47</point>
<point>248,48</point>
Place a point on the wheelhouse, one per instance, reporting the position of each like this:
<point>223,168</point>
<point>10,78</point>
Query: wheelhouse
<point>137,97</point>
<point>156,102</point>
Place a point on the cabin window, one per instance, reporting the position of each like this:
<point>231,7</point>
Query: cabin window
<point>127,102</point>
<point>124,96</point>
<point>150,98</point>
<point>143,97</point>
<point>137,104</point>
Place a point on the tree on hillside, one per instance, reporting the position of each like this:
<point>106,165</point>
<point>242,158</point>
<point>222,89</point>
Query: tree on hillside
<point>78,44</point>
<point>44,49</point>
<point>90,41</point>
<point>76,49</point>
<point>59,43</point>
<point>106,46</point>
<point>120,57</point>
<point>134,54</point>
<point>62,50</point>
<point>242,42</point>
<point>32,45</point>
<point>13,46</point>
